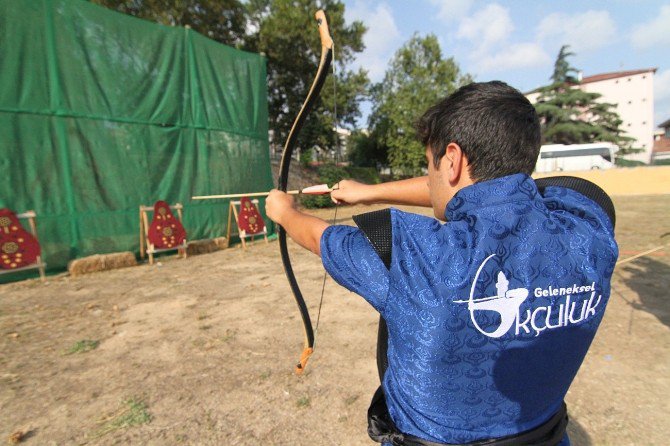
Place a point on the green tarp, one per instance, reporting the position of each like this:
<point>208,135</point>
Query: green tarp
<point>102,112</point>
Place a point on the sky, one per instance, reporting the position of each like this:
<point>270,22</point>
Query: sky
<point>517,41</point>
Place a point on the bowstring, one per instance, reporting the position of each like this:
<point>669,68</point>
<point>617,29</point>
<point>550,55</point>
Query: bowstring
<point>337,160</point>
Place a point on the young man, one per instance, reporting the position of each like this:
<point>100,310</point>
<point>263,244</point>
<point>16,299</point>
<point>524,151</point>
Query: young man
<point>489,315</point>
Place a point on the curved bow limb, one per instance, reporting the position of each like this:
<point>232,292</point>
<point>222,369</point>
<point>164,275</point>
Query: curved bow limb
<point>289,146</point>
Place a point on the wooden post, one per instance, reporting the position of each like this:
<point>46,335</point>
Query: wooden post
<point>230,216</point>
<point>237,219</point>
<point>150,246</point>
<point>142,247</point>
<point>179,208</point>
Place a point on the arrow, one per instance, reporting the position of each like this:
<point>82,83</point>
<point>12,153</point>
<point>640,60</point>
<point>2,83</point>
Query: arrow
<point>319,189</point>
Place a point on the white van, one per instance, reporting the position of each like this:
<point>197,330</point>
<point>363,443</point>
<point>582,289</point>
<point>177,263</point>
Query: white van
<point>567,157</point>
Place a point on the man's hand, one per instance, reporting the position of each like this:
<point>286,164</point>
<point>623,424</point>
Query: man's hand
<point>278,205</point>
<point>352,192</point>
<point>304,229</point>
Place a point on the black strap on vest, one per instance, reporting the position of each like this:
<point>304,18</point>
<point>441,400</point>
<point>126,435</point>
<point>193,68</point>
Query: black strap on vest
<point>378,229</point>
<point>584,187</point>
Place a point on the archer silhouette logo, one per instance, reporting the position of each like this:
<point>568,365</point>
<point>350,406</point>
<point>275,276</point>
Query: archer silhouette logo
<point>568,305</point>
<point>506,303</point>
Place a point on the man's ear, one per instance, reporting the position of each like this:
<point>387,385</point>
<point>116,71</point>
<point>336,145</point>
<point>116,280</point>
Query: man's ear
<point>453,162</point>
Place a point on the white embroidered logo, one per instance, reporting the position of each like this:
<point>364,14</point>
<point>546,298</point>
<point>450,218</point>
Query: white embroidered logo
<point>507,303</point>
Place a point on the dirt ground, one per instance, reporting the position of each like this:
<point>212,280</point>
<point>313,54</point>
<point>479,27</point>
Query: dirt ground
<point>201,352</point>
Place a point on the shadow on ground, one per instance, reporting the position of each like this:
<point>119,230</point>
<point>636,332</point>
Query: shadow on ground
<point>578,435</point>
<point>650,279</point>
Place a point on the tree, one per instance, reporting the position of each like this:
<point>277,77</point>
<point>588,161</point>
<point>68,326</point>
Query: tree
<point>220,20</point>
<point>570,115</point>
<point>418,76</point>
<point>287,35</point>
<point>562,68</point>
<point>365,150</point>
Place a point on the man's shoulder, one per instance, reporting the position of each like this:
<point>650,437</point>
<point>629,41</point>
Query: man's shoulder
<point>394,217</point>
<point>579,197</point>
<point>417,228</point>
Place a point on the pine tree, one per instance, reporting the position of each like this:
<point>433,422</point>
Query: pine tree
<point>570,115</point>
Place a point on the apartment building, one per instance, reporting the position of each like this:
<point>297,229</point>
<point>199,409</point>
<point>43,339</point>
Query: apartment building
<point>633,94</point>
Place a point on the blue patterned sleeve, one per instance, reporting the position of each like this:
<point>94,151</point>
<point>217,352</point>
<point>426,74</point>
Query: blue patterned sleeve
<point>352,262</point>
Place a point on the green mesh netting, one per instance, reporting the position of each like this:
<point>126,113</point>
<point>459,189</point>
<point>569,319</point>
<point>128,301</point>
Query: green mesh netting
<point>102,112</point>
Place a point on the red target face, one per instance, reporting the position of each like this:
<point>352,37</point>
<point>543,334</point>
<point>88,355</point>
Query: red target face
<point>250,220</point>
<point>18,247</point>
<point>165,230</point>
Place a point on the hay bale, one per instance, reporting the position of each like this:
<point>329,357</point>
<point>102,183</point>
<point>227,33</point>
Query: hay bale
<point>222,242</point>
<point>206,246</point>
<point>101,262</point>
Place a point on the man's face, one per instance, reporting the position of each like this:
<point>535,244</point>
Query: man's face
<point>438,185</point>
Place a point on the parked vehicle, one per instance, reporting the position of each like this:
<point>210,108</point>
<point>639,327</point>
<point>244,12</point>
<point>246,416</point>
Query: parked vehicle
<point>570,157</point>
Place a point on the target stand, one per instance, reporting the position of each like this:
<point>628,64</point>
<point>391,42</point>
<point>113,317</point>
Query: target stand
<point>248,220</point>
<point>19,249</point>
<point>165,233</point>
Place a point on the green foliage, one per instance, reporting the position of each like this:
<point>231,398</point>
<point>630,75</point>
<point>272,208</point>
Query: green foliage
<point>134,413</point>
<point>570,115</point>
<point>287,35</point>
<point>367,175</point>
<point>621,162</point>
<point>286,32</point>
<point>366,150</point>
<point>331,174</point>
<point>417,77</point>
<point>220,20</point>
<point>82,346</point>
<point>562,69</point>
<point>306,157</point>
<point>229,335</point>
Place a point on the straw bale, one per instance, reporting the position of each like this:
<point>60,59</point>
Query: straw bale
<point>206,246</point>
<point>101,262</point>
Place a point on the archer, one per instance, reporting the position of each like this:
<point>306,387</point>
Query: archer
<point>466,354</point>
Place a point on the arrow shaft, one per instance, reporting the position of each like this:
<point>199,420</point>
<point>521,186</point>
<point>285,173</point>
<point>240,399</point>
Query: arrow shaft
<point>312,190</point>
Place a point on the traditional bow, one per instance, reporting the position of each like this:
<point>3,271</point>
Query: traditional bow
<point>324,65</point>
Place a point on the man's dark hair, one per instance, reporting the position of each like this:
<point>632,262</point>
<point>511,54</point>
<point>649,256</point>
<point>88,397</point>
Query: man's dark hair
<point>494,124</point>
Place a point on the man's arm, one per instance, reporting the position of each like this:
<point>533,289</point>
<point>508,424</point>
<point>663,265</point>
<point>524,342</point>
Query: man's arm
<point>304,229</point>
<point>412,192</point>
